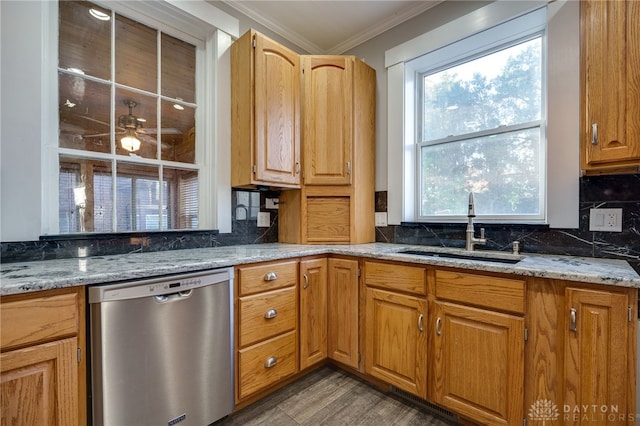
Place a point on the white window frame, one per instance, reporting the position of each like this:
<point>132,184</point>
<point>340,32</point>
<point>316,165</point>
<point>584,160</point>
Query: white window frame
<point>198,23</point>
<point>523,28</point>
<point>562,127</point>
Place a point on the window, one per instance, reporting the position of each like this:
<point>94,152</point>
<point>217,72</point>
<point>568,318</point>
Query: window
<point>128,152</point>
<point>479,125</point>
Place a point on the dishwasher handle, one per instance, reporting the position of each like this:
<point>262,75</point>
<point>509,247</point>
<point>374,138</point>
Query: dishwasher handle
<point>179,295</point>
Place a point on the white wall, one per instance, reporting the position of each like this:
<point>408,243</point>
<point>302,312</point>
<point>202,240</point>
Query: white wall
<point>21,38</point>
<point>372,52</point>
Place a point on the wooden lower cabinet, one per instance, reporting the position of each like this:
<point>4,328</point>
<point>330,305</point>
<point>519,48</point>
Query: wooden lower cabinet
<point>396,342</point>
<point>478,363</point>
<point>313,311</point>
<point>43,361</point>
<point>343,311</point>
<point>599,366</point>
<point>267,326</point>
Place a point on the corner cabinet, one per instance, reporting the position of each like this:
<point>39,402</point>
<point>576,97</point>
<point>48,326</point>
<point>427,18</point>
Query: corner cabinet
<point>336,201</point>
<point>610,63</point>
<point>313,311</point>
<point>343,312</point>
<point>43,358</point>
<point>265,113</point>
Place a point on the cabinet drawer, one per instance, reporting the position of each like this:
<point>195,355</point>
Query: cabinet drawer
<point>265,315</point>
<point>254,370</point>
<point>258,278</point>
<point>38,319</point>
<point>502,294</point>
<point>410,279</point>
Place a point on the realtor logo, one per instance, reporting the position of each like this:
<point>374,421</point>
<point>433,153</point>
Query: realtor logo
<point>543,409</point>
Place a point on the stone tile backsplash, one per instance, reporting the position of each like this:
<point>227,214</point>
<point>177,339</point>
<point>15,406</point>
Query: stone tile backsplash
<point>612,191</point>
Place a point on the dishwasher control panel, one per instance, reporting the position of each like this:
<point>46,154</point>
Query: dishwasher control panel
<point>158,286</point>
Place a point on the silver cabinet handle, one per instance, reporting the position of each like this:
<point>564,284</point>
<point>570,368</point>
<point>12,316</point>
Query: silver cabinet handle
<point>438,326</point>
<point>306,281</point>
<point>297,168</point>
<point>349,167</point>
<point>270,276</point>
<point>594,134</point>
<point>270,362</point>
<point>271,313</point>
<point>572,320</point>
<point>420,318</point>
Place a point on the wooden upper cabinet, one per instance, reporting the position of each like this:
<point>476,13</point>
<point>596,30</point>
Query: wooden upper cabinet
<point>328,119</point>
<point>265,114</point>
<point>610,63</point>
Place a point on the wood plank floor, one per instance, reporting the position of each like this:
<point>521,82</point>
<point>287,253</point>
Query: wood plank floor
<point>330,397</point>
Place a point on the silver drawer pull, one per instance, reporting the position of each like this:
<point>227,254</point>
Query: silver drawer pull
<point>270,362</point>
<point>271,313</point>
<point>270,276</point>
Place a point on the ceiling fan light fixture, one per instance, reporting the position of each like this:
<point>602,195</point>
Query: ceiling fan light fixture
<point>129,141</point>
<point>99,15</point>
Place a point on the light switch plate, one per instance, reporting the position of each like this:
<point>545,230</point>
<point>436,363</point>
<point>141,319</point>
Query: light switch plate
<point>605,220</point>
<point>381,219</point>
<point>264,219</point>
<point>271,203</point>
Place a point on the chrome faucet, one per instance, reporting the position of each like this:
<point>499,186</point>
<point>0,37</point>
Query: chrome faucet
<point>471,239</point>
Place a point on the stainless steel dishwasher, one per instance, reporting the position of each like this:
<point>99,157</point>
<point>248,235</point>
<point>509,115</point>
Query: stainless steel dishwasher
<point>161,350</point>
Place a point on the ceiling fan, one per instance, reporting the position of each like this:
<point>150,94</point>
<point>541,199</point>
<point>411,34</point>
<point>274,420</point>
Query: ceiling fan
<point>131,127</point>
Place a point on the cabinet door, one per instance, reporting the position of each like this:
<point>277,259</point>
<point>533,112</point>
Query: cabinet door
<point>478,362</point>
<point>313,312</point>
<point>396,342</point>
<point>277,113</point>
<point>39,384</point>
<point>597,353</point>
<point>342,311</point>
<point>611,82</point>
<point>328,119</point>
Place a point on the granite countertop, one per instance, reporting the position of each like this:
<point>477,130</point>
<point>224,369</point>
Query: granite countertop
<point>49,274</point>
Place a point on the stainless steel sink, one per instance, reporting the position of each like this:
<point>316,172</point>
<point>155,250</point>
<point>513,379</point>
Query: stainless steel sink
<point>478,255</point>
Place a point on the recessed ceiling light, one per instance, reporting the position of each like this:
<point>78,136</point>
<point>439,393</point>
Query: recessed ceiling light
<point>99,15</point>
<point>178,107</point>
<point>141,120</point>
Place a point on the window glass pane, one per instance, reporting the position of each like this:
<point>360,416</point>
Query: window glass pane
<point>503,172</point>
<point>136,55</point>
<point>84,195</point>
<point>500,89</point>
<point>178,69</point>
<point>178,133</point>
<point>83,108</point>
<point>85,38</point>
<point>138,198</point>
<point>182,187</point>
<point>136,117</point>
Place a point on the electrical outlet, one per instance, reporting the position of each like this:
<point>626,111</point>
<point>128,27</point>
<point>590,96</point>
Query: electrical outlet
<point>381,219</point>
<point>271,203</point>
<point>264,219</point>
<point>605,220</point>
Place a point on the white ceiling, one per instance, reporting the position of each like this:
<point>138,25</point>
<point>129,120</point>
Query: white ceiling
<point>329,26</point>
